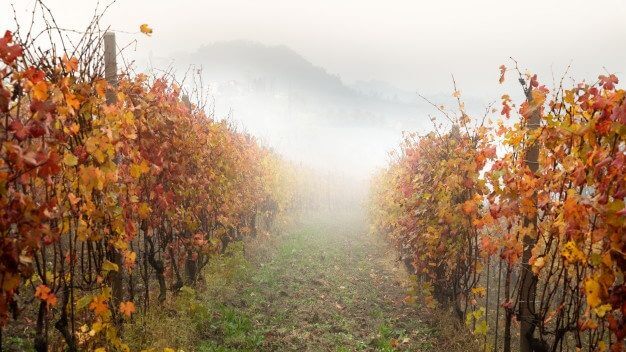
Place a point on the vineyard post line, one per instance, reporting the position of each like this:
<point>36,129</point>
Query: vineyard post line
<point>110,74</point>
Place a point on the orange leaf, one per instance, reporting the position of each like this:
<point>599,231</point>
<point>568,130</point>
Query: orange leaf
<point>70,64</point>
<point>99,305</point>
<point>145,29</point>
<point>129,259</point>
<point>127,308</point>
<point>468,207</point>
<point>73,198</point>
<point>101,87</point>
<point>40,91</point>
<point>44,293</point>
<point>72,101</point>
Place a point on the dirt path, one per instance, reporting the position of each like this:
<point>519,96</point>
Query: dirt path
<point>327,287</point>
<point>332,288</point>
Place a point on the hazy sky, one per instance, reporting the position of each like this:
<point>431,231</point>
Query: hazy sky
<point>415,45</point>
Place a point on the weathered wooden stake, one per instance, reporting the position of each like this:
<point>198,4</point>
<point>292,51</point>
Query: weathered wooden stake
<point>110,66</point>
<point>110,74</point>
<point>186,101</point>
<point>529,279</point>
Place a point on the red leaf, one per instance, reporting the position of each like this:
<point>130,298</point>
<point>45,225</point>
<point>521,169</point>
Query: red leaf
<point>20,131</point>
<point>8,53</point>
<point>609,82</point>
<point>502,72</point>
<point>34,75</point>
<point>37,129</point>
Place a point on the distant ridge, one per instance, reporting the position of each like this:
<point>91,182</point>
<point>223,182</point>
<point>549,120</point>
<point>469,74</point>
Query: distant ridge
<point>266,71</point>
<point>274,67</point>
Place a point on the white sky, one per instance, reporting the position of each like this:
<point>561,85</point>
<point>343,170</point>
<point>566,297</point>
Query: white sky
<point>415,45</point>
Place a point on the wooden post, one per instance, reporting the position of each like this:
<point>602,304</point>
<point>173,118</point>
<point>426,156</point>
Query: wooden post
<point>186,101</point>
<point>110,66</point>
<point>529,279</point>
<point>110,74</point>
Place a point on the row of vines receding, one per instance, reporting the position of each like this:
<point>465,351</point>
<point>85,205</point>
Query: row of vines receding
<point>113,194</point>
<point>518,225</point>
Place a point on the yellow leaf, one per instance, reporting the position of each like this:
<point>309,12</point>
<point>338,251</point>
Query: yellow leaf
<point>144,210</point>
<point>70,159</point>
<point>572,254</point>
<point>602,310</point>
<point>592,291</point>
<point>97,327</point>
<point>83,302</point>
<point>120,244</point>
<point>136,170</point>
<point>538,264</point>
<point>109,266</point>
<point>481,328</point>
<point>479,291</point>
<point>129,259</point>
<point>74,128</point>
<point>83,230</point>
<point>145,29</point>
<point>144,167</point>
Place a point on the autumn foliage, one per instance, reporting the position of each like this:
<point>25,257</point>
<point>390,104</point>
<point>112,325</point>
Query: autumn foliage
<point>107,208</point>
<point>463,205</point>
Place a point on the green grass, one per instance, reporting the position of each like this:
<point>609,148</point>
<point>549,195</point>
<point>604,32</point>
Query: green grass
<point>323,286</point>
<point>233,332</point>
<point>202,321</point>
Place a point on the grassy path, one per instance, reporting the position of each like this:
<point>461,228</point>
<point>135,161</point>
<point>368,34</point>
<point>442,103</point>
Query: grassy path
<point>323,286</point>
<point>327,287</point>
<point>335,289</point>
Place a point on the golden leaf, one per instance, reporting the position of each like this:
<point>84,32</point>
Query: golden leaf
<point>593,292</point>
<point>145,29</point>
<point>70,159</point>
<point>40,90</point>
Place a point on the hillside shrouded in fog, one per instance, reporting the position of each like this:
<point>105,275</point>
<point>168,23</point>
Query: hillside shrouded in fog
<point>306,113</point>
<point>302,110</point>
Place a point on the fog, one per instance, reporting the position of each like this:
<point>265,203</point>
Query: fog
<point>332,84</point>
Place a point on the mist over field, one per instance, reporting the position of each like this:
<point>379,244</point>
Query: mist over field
<point>306,113</point>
